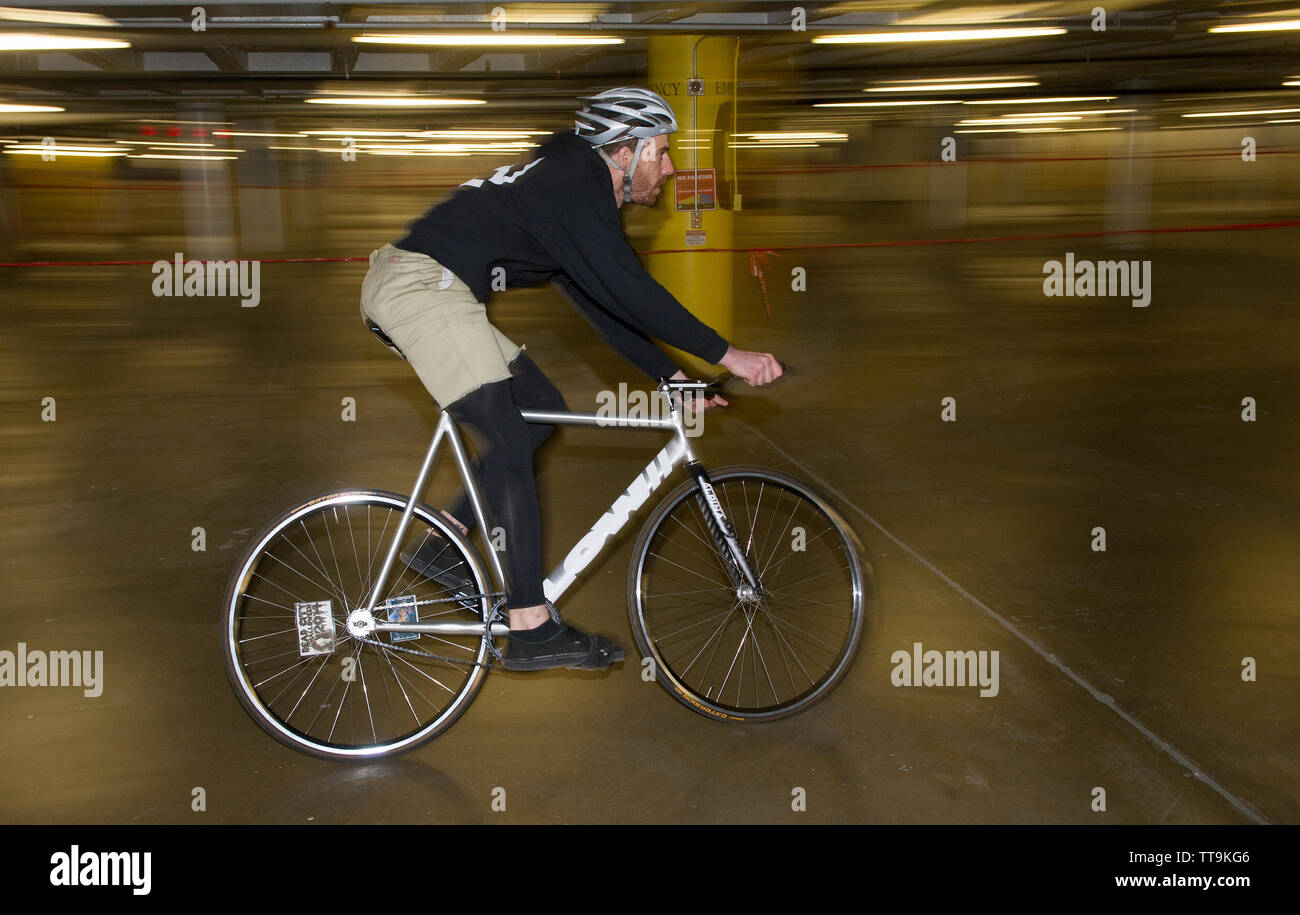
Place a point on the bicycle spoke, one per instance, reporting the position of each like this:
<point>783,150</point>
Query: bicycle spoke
<point>664,638</point>
<point>716,632</point>
<point>758,650</point>
<point>338,591</point>
<point>814,577</point>
<point>769,656</point>
<point>776,545</point>
<point>392,696</point>
<point>333,554</point>
<point>388,516</point>
<point>785,559</point>
<point>306,690</point>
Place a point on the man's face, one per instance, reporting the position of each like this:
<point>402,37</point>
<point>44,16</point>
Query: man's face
<point>652,172</point>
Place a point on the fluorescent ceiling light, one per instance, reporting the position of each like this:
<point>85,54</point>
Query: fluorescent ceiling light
<point>34,41</point>
<point>966,14</point>
<point>359,133</point>
<point>948,87</point>
<point>477,134</point>
<point>7,108</point>
<point>163,121</point>
<point>1280,25</point>
<point>252,133</point>
<point>1084,111</point>
<point>56,17</point>
<point>1041,101</point>
<point>452,147</point>
<point>1037,129</point>
<point>939,101</point>
<point>533,13</point>
<point>1284,121</point>
<point>178,156</point>
<point>325,149</point>
<point>1037,119</point>
<point>773,145</point>
<point>92,151</point>
<point>160,143</point>
<point>401,152</point>
<point>795,136</point>
<point>1292,82</point>
<point>937,35</point>
<point>953,79</point>
<point>224,149</point>
<point>1233,114</point>
<point>395,101</point>
<point>430,134</point>
<point>487,39</point>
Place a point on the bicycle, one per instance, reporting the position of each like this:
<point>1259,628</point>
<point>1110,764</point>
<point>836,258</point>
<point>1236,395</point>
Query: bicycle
<point>752,612</point>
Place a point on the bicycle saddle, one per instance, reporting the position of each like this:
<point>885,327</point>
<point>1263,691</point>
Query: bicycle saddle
<point>383,337</point>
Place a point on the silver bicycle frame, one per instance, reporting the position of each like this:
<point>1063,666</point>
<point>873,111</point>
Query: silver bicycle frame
<point>592,544</point>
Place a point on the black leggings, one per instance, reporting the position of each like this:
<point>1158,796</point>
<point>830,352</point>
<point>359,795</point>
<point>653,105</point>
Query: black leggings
<point>506,445</point>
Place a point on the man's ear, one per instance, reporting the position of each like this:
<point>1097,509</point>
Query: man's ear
<point>623,156</point>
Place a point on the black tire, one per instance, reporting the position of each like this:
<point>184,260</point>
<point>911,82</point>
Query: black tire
<point>273,585</point>
<point>821,643</point>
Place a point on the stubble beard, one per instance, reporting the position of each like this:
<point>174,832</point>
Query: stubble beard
<point>643,191</point>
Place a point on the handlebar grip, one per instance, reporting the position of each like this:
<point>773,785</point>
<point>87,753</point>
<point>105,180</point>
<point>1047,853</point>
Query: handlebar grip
<point>721,381</point>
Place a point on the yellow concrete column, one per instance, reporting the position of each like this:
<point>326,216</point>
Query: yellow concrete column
<point>698,210</point>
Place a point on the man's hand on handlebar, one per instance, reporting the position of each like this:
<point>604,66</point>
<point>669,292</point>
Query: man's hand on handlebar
<point>696,403</point>
<point>755,368</point>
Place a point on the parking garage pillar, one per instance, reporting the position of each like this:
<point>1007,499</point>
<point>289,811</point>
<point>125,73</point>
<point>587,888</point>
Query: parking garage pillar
<point>696,75</point>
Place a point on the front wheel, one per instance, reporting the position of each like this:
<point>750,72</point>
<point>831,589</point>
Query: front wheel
<point>285,636</point>
<point>721,649</point>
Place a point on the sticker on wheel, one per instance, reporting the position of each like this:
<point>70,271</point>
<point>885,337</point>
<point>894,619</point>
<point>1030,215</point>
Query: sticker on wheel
<point>402,610</point>
<point>315,628</point>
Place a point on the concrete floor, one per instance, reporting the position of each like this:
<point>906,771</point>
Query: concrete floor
<point>1072,413</point>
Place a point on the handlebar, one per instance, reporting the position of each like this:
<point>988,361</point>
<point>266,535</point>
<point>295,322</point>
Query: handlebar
<point>712,387</point>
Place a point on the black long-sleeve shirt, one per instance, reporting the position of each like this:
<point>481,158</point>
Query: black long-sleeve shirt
<point>556,219</point>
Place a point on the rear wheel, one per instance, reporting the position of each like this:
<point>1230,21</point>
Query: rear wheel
<point>289,655</point>
<point>722,651</point>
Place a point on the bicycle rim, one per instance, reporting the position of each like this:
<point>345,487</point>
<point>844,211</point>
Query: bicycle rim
<point>759,659</point>
<point>338,697</point>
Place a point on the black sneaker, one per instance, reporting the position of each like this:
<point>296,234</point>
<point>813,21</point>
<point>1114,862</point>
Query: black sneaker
<point>567,648</point>
<point>437,560</point>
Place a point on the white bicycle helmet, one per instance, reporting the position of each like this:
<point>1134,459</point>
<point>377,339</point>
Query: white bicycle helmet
<point>617,114</point>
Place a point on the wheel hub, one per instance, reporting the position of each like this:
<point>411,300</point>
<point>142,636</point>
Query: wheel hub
<point>360,623</point>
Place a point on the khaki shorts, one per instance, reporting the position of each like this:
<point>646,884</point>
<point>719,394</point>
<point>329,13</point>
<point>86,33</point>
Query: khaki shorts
<point>437,323</point>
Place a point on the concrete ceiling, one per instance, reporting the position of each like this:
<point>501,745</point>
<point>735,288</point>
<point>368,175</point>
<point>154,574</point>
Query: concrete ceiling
<point>265,58</point>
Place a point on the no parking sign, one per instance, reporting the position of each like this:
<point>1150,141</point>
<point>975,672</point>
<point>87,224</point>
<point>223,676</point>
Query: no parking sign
<point>695,189</point>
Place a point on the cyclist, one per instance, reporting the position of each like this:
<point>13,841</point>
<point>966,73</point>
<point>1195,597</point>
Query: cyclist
<point>554,218</point>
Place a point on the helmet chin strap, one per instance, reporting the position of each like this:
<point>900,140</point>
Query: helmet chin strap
<point>627,172</point>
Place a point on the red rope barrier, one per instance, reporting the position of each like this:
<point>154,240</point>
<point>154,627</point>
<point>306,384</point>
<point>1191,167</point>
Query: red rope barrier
<point>758,255</point>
